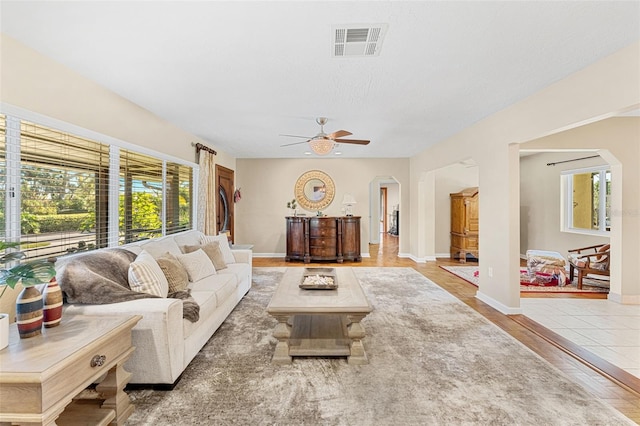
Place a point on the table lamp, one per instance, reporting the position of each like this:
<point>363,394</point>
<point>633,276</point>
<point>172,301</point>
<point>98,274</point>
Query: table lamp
<point>348,201</point>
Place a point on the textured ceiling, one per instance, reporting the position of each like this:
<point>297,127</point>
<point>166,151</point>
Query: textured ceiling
<point>239,74</point>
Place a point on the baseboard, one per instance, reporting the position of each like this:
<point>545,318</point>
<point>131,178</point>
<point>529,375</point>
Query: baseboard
<point>412,257</point>
<point>629,299</point>
<point>499,306</point>
<point>269,254</point>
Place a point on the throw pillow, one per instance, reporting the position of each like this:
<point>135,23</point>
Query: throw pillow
<point>175,273</point>
<point>223,243</point>
<point>197,264</point>
<point>145,276</point>
<point>212,250</point>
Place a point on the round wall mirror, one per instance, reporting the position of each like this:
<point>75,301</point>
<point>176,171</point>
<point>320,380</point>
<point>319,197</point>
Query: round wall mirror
<point>314,190</point>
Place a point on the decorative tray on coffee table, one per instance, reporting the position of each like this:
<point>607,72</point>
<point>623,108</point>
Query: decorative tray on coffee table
<point>319,279</point>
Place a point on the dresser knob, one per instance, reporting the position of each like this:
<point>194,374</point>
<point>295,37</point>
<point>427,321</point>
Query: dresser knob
<point>98,360</point>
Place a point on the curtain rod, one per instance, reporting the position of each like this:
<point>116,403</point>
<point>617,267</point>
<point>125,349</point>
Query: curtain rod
<point>202,147</point>
<point>568,161</point>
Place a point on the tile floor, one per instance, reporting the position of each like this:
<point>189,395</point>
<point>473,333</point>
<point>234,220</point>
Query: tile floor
<point>607,329</point>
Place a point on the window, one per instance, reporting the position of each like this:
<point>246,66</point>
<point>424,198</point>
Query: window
<point>140,197</point>
<point>587,194</point>
<point>62,195</point>
<point>63,180</point>
<point>178,182</point>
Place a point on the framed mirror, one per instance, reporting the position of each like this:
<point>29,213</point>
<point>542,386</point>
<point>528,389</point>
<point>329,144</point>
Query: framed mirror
<point>314,190</point>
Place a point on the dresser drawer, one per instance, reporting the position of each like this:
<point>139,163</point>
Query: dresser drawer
<point>322,243</point>
<point>89,364</point>
<point>322,252</point>
<point>323,228</point>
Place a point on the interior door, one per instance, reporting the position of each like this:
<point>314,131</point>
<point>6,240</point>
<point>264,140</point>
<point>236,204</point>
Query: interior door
<point>224,210</point>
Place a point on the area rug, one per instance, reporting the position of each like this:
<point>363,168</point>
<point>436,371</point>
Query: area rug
<point>469,274</point>
<point>433,361</point>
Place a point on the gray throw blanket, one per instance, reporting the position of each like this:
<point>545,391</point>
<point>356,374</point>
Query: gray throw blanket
<point>101,277</point>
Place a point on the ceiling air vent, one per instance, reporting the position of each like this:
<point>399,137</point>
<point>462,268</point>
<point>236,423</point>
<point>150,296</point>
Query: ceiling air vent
<point>358,40</point>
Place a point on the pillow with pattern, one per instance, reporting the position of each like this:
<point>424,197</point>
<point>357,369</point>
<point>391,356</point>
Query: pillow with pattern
<point>176,275</point>
<point>145,276</point>
<point>197,264</point>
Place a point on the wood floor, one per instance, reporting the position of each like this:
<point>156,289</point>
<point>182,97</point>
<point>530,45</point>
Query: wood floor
<point>616,387</point>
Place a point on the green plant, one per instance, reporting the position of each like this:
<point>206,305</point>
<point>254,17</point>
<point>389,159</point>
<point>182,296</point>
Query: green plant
<point>28,273</point>
<point>292,204</point>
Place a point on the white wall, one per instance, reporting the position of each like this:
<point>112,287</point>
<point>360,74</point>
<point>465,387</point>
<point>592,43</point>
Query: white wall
<point>39,85</point>
<point>267,185</point>
<point>598,91</point>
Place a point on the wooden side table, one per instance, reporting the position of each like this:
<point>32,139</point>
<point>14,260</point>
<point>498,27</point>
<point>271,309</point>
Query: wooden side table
<point>41,377</point>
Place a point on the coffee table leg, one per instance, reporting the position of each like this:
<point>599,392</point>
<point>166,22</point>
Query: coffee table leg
<point>356,334</point>
<point>282,332</point>
<point>112,388</point>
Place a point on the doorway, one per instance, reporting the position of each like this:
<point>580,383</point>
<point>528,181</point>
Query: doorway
<point>383,210</point>
<point>224,209</point>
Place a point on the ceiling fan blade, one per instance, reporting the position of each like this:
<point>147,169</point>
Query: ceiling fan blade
<point>296,136</point>
<point>338,134</point>
<point>354,141</point>
<point>295,143</point>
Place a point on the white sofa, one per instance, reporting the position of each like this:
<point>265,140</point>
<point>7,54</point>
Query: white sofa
<point>165,342</point>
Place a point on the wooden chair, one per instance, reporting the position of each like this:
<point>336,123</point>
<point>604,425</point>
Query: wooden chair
<point>589,260</point>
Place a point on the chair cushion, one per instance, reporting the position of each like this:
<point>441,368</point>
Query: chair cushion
<point>602,250</point>
<point>574,259</point>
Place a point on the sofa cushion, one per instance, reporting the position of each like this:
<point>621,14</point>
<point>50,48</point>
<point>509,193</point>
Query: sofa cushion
<point>145,276</point>
<point>207,302</point>
<point>188,238</point>
<point>197,264</point>
<point>158,247</point>
<point>176,275</point>
<point>224,246</point>
<point>223,285</point>
<point>239,270</point>
<point>212,250</point>
<point>133,248</point>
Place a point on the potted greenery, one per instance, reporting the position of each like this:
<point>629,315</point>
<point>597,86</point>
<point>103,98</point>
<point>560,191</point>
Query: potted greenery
<point>293,206</point>
<point>29,274</point>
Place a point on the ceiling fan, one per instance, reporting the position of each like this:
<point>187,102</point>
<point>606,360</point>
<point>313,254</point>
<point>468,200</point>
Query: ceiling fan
<point>323,143</point>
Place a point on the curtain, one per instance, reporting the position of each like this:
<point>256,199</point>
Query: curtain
<point>207,193</point>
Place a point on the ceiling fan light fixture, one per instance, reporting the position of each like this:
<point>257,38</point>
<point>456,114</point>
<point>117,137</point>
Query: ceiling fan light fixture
<point>321,146</point>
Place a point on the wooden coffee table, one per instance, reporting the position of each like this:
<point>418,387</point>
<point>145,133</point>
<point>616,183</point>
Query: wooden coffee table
<point>319,322</point>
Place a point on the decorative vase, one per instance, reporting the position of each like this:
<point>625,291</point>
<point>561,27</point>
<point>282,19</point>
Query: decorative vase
<point>29,312</point>
<point>52,310</point>
<point>4,331</point>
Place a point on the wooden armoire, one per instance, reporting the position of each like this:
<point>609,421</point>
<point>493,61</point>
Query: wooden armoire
<point>464,224</point>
